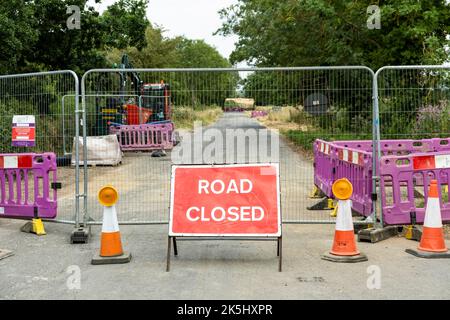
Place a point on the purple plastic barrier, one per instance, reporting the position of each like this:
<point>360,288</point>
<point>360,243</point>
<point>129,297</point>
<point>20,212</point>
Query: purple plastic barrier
<point>144,137</point>
<point>259,113</point>
<point>403,176</point>
<point>333,161</point>
<point>25,184</point>
<point>353,160</point>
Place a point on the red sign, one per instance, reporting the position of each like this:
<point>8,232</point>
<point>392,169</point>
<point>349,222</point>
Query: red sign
<point>23,131</point>
<point>225,200</point>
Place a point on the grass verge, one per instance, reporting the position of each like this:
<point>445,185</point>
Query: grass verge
<point>184,117</point>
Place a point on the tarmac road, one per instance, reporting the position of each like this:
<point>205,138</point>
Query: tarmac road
<point>44,267</point>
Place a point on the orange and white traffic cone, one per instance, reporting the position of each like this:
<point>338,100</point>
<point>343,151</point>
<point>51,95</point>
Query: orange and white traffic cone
<point>432,242</point>
<point>111,251</point>
<point>344,245</point>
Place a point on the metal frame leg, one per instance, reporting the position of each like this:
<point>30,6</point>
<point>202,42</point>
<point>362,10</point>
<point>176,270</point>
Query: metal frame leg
<point>175,248</point>
<point>169,249</point>
<point>278,247</point>
<point>280,253</point>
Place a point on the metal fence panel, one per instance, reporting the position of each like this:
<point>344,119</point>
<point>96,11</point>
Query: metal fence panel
<point>51,98</point>
<point>413,113</point>
<point>298,105</point>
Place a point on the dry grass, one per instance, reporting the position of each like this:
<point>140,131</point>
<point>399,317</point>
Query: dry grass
<point>286,118</point>
<point>244,103</point>
<point>184,117</point>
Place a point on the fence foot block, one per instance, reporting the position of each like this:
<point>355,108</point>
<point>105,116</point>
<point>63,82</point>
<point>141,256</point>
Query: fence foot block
<point>316,193</point>
<point>159,154</point>
<point>123,258</point>
<point>5,253</point>
<point>35,226</point>
<point>80,235</point>
<point>428,255</point>
<point>344,259</point>
<point>324,204</point>
<point>374,235</point>
<point>412,233</point>
<point>358,227</point>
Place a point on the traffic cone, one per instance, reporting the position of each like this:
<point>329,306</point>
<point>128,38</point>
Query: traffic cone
<point>344,245</point>
<point>432,242</point>
<point>111,251</point>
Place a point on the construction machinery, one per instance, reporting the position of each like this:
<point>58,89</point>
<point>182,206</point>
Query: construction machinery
<point>137,108</point>
<point>151,102</point>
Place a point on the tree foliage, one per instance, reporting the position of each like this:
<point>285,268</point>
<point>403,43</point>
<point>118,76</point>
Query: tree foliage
<point>335,32</point>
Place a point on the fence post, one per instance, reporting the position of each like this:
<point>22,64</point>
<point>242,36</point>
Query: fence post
<point>376,154</point>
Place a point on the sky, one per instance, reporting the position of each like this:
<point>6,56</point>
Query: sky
<point>195,19</point>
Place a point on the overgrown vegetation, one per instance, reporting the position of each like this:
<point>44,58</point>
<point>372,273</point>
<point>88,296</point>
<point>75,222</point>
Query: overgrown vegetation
<point>184,117</point>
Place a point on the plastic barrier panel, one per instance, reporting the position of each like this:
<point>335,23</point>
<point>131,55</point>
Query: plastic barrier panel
<point>406,169</point>
<point>26,182</point>
<point>404,186</point>
<point>259,113</point>
<point>334,161</point>
<point>144,137</point>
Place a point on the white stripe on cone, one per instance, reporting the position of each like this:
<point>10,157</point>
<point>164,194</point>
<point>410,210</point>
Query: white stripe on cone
<point>433,214</point>
<point>110,223</point>
<point>344,220</point>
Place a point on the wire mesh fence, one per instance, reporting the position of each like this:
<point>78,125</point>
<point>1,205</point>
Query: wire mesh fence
<point>211,111</point>
<point>414,132</point>
<point>50,98</point>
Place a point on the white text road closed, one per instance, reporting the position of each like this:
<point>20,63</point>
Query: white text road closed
<point>225,200</point>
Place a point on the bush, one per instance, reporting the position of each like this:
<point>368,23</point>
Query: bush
<point>433,120</point>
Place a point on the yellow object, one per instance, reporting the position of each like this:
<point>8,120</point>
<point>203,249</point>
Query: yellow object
<point>108,196</point>
<point>38,227</point>
<point>409,232</point>
<point>315,193</point>
<point>114,111</point>
<point>334,212</point>
<point>342,189</point>
<point>330,204</point>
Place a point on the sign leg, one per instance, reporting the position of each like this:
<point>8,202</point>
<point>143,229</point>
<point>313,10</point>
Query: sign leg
<point>169,249</point>
<point>175,248</point>
<point>278,247</point>
<point>280,253</point>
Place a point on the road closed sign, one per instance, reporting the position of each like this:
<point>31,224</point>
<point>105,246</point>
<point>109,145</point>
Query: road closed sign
<point>225,200</point>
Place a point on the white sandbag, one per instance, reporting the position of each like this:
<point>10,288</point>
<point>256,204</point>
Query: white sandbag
<point>101,150</point>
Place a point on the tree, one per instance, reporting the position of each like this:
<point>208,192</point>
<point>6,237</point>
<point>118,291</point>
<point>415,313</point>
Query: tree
<point>160,52</point>
<point>335,32</point>
<point>17,34</point>
<point>126,22</point>
<point>57,47</point>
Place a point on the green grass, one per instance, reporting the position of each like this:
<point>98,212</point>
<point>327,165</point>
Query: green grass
<point>306,139</point>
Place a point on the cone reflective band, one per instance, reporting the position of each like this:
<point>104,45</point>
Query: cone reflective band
<point>108,196</point>
<point>432,234</point>
<point>342,189</point>
<point>16,162</point>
